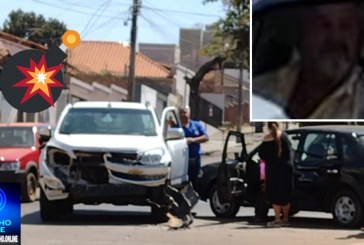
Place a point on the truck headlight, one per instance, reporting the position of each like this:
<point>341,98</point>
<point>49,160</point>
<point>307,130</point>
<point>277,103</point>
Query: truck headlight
<point>57,156</point>
<point>10,166</point>
<point>153,156</point>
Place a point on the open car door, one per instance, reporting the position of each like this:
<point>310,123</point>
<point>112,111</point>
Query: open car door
<point>230,178</point>
<point>177,145</point>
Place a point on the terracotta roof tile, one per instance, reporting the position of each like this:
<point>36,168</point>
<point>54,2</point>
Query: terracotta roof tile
<point>100,56</point>
<point>22,41</point>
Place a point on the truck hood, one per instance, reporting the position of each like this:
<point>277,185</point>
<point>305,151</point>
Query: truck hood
<point>125,143</point>
<point>13,154</point>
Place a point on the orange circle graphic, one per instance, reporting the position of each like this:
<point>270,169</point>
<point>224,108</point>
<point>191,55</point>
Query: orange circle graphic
<point>71,39</point>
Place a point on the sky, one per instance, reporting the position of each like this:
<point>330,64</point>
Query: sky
<point>110,20</point>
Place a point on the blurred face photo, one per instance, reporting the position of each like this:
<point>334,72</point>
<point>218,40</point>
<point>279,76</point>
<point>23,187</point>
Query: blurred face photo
<point>306,59</point>
<point>330,43</point>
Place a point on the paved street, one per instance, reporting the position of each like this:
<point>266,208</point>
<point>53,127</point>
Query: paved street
<point>108,224</point>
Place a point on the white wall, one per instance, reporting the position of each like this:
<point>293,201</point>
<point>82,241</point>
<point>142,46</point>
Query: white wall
<point>7,112</point>
<point>182,88</point>
<point>148,94</point>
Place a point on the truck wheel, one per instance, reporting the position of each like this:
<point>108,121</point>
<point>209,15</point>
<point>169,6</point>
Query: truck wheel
<point>159,215</point>
<point>347,209</point>
<point>29,188</point>
<point>53,210</point>
<point>222,210</point>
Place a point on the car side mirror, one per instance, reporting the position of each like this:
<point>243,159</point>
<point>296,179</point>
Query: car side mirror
<point>45,135</point>
<point>175,134</point>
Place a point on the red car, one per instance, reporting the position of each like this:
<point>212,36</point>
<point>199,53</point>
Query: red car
<point>20,147</point>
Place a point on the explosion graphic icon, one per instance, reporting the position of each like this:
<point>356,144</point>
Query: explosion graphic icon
<point>32,80</point>
<point>39,79</point>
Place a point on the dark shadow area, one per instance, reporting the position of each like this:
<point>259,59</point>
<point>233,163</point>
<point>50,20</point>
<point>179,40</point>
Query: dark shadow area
<point>93,217</point>
<point>360,235</point>
<point>247,222</point>
<point>304,223</point>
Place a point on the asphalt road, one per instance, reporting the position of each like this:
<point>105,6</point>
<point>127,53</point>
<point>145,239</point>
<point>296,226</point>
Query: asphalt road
<point>108,224</point>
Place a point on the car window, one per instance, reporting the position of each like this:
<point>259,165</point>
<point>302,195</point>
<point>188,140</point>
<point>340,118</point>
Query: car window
<point>234,148</point>
<point>294,139</point>
<point>348,152</point>
<point>172,119</point>
<point>318,147</point>
<point>16,137</point>
<point>108,121</point>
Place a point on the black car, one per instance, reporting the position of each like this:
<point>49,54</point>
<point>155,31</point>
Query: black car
<point>328,174</point>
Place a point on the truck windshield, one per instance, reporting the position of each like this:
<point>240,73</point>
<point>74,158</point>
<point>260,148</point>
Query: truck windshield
<point>16,137</point>
<point>108,121</point>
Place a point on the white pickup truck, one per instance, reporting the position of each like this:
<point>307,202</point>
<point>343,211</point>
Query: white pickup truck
<point>111,152</point>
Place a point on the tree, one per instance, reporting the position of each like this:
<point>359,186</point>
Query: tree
<point>194,83</point>
<point>34,27</point>
<point>231,39</point>
<point>230,43</point>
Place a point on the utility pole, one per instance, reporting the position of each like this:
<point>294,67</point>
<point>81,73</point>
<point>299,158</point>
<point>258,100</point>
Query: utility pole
<point>240,97</point>
<point>133,33</point>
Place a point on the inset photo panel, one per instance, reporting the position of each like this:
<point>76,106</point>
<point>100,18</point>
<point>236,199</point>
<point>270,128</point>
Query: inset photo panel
<point>307,60</point>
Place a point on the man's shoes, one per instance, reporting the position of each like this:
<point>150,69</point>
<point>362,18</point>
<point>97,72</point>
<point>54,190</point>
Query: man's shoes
<point>174,222</point>
<point>177,223</point>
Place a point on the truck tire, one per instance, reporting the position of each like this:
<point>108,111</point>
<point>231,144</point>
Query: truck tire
<point>347,210</point>
<point>222,210</point>
<point>53,210</point>
<point>29,188</point>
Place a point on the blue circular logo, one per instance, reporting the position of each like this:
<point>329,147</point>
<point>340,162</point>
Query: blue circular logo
<point>2,199</point>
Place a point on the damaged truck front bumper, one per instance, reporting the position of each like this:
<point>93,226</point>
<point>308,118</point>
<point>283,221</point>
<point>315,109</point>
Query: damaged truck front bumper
<point>137,174</point>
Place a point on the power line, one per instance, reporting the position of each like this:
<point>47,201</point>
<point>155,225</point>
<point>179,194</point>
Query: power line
<point>182,12</point>
<point>93,16</point>
<point>109,22</point>
<point>157,28</point>
<point>160,15</point>
<point>102,9</point>
<point>71,10</point>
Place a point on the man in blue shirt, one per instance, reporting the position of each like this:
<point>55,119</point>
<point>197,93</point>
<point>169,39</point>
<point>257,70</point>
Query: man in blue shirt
<point>195,135</point>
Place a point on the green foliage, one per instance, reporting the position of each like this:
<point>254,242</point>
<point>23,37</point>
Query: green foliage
<point>105,73</point>
<point>231,39</point>
<point>34,27</point>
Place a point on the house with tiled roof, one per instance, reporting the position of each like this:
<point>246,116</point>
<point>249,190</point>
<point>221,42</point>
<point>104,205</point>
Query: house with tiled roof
<point>107,63</point>
<point>95,70</point>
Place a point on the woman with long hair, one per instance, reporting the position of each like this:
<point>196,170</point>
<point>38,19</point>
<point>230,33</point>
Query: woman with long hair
<point>276,153</point>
